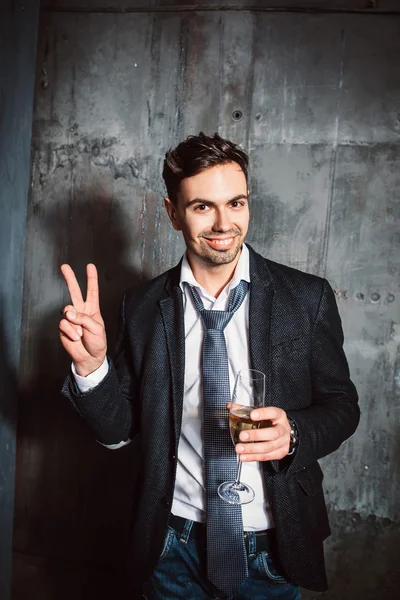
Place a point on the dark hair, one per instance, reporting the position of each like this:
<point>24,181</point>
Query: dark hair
<point>196,154</point>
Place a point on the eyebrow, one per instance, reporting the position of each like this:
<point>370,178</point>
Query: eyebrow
<point>211,203</point>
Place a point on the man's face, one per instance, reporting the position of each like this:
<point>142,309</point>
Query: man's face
<point>213,214</point>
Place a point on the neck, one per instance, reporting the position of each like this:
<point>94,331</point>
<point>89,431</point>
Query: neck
<point>213,278</point>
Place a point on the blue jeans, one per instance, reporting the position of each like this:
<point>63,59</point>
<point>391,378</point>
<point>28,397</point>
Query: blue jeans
<point>181,573</point>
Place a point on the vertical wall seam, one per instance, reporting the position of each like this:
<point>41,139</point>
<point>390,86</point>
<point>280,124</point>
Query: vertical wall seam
<point>333,162</point>
<point>181,83</point>
<point>249,86</point>
<point>221,61</point>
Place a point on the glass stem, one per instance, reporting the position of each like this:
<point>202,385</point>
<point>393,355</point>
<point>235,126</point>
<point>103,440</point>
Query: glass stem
<point>239,472</point>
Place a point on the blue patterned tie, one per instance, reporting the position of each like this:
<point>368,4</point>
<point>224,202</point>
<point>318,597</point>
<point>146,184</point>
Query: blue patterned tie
<point>226,552</point>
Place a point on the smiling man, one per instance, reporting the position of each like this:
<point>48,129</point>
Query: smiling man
<point>184,336</point>
<point>214,224</point>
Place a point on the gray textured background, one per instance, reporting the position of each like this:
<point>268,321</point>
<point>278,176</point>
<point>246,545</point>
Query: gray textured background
<point>18,40</point>
<point>319,97</point>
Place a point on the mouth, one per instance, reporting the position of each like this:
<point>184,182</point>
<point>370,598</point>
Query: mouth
<point>220,243</point>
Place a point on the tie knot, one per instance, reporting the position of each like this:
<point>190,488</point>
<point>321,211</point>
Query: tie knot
<point>219,319</point>
<point>215,319</point>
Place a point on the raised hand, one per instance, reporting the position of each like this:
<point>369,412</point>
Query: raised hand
<point>82,331</point>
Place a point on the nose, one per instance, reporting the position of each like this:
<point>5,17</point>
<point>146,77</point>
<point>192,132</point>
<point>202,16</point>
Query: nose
<point>222,221</point>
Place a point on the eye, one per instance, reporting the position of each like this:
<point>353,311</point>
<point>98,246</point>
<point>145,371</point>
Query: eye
<point>237,204</point>
<point>202,208</point>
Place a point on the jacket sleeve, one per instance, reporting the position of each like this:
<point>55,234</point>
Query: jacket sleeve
<point>334,412</point>
<point>108,408</point>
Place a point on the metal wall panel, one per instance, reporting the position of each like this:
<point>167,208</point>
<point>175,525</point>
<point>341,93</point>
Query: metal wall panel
<point>363,265</point>
<point>315,100</point>
<point>18,36</point>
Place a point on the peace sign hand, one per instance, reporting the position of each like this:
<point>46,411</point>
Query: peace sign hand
<point>82,331</point>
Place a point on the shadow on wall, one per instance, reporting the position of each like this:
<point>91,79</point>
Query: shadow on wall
<point>74,497</point>
<point>362,558</point>
<point>8,391</point>
<point>8,379</point>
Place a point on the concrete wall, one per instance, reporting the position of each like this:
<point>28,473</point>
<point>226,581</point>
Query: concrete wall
<point>315,100</point>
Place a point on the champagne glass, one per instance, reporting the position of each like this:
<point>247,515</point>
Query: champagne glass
<point>248,393</point>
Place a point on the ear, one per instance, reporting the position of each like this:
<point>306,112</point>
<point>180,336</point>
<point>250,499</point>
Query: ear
<point>172,213</point>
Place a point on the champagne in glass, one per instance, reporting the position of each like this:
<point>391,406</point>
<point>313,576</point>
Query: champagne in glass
<point>248,394</point>
<point>239,420</point>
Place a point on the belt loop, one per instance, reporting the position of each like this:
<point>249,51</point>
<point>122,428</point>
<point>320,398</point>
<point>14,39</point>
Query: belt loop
<point>252,540</point>
<point>186,531</point>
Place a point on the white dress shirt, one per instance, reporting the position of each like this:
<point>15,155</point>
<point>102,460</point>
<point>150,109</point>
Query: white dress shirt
<point>189,492</point>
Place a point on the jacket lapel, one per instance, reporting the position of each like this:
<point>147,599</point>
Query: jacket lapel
<point>261,301</point>
<point>174,326</point>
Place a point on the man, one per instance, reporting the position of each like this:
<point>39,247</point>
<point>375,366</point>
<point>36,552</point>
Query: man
<point>188,543</point>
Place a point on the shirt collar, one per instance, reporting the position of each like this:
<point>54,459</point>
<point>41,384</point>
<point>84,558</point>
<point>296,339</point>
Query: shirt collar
<point>242,271</point>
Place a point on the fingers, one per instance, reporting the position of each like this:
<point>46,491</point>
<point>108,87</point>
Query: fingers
<point>92,294</point>
<point>267,413</point>
<point>67,308</point>
<point>264,435</point>
<point>73,286</point>
<point>272,450</point>
<point>73,332</point>
<point>260,447</point>
<point>86,322</point>
<point>276,455</point>
<point>266,443</point>
<point>69,331</point>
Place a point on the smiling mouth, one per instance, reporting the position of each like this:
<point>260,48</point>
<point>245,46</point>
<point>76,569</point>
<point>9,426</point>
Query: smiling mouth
<point>219,242</point>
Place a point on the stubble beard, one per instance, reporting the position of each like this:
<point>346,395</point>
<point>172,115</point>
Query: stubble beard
<point>214,258</point>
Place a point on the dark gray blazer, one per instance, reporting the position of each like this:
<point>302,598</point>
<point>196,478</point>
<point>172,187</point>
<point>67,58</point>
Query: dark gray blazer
<point>296,339</point>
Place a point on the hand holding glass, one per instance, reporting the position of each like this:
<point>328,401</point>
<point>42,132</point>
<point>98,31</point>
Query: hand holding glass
<point>248,394</point>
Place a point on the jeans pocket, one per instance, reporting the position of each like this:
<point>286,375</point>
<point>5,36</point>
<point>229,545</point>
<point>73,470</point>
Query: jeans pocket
<point>268,566</point>
<point>169,539</point>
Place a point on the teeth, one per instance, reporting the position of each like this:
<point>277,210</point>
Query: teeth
<point>222,242</point>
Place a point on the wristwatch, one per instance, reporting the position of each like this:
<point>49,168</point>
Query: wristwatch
<point>294,437</point>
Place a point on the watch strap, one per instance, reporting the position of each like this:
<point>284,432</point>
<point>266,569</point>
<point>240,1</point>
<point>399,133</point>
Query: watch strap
<point>294,437</point>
